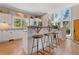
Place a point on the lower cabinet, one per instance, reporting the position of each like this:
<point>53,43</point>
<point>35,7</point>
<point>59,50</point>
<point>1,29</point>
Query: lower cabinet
<point>13,34</point>
<point>4,36</point>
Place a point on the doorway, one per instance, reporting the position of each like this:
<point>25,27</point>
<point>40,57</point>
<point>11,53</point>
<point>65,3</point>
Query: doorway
<point>76,29</point>
<point>67,26</point>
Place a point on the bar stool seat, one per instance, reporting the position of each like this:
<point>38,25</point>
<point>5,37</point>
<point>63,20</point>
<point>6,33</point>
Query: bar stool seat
<point>37,36</point>
<point>46,34</point>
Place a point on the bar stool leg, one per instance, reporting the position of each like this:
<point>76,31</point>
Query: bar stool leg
<point>56,40</point>
<point>49,43</point>
<point>44,40</point>
<point>32,46</point>
<point>37,46</point>
<point>42,44</point>
<point>59,42</point>
<point>51,39</point>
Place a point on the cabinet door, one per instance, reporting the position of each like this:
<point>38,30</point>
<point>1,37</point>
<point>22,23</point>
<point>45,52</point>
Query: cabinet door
<point>4,36</point>
<point>18,34</point>
<point>13,34</point>
<point>76,29</point>
<point>6,18</point>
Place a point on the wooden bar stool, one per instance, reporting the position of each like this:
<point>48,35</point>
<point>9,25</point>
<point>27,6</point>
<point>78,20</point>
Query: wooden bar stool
<point>37,37</point>
<point>57,40</point>
<point>48,36</point>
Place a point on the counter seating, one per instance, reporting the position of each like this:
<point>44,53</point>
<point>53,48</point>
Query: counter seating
<point>55,40</point>
<point>47,36</point>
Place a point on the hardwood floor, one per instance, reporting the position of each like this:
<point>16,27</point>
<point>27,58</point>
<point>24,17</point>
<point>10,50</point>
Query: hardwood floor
<point>67,47</point>
<point>11,48</point>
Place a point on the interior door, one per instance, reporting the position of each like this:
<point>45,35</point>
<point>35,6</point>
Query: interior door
<point>76,30</point>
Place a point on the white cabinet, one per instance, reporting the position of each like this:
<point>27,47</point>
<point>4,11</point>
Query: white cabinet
<point>21,34</point>
<point>4,36</point>
<point>15,34</point>
<point>6,18</point>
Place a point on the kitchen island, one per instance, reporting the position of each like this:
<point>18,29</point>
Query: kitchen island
<point>35,30</point>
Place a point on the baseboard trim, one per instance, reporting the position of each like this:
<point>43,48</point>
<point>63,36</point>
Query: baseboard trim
<point>4,41</point>
<point>10,40</point>
<point>75,42</point>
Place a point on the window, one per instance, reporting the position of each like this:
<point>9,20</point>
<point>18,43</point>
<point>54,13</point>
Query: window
<point>17,23</point>
<point>20,22</point>
<point>63,17</point>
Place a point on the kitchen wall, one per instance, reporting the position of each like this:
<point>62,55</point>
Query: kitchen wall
<point>75,12</point>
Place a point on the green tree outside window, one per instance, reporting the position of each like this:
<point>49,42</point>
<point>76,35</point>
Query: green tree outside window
<point>17,22</point>
<point>24,23</point>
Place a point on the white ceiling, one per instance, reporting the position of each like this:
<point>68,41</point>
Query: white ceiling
<point>39,8</point>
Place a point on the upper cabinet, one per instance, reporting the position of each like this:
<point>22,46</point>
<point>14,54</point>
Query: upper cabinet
<point>6,18</point>
<point>14,21</point>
